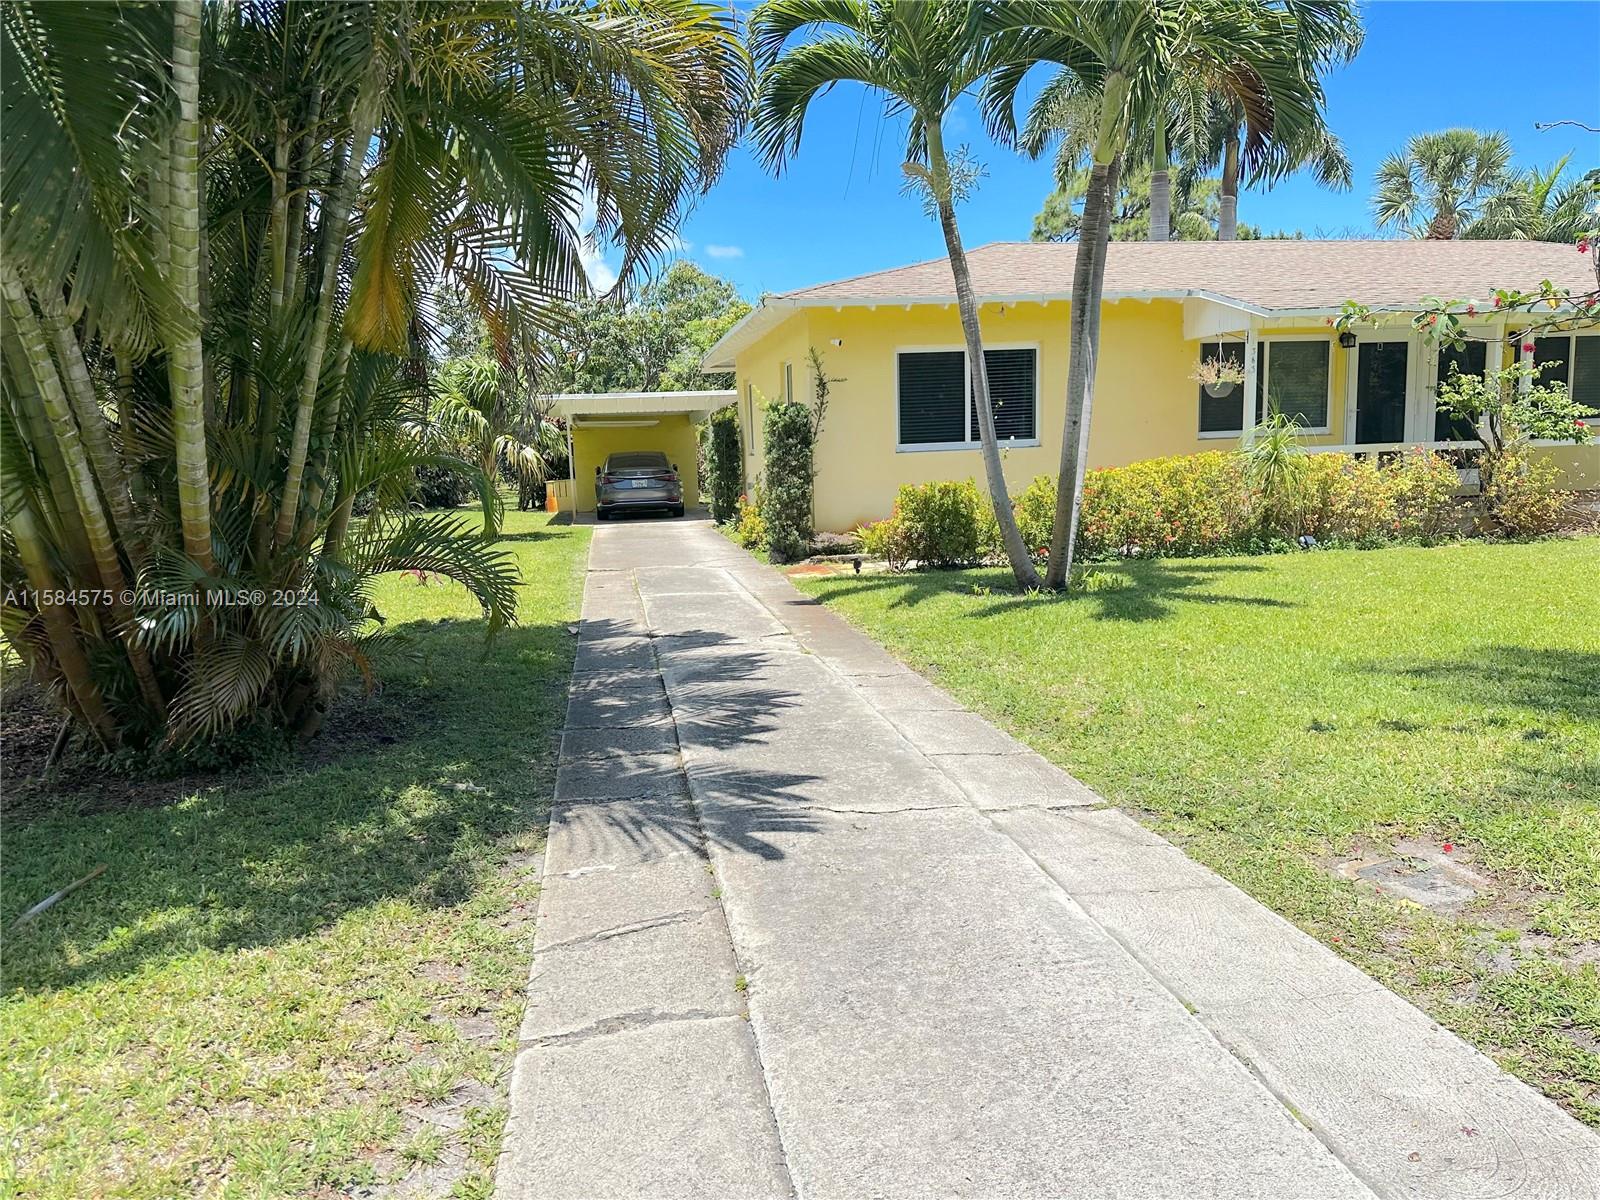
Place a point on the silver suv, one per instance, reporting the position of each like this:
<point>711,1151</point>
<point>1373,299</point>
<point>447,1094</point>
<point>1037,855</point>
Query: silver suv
<point>639,479</point>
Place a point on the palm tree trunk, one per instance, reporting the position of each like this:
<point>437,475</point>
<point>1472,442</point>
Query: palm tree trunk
<point>72,541</point>
<point>185,355</point>
<point>102,543</point>
<point>113,480</point>
<point>300,188</point>
<point>1228,219</point>
<point>363,118</point>
<point>1088,285</point>
<point>1017,555</point>
<point>1160,187</point>
<point>60,627</point>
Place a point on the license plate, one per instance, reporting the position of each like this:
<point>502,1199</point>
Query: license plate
<point>635,483</point>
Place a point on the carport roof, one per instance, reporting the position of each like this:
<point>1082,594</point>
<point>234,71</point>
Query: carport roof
<point>697,405</point>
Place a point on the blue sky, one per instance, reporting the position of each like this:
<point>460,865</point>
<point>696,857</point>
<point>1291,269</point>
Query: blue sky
<point>838,209</point>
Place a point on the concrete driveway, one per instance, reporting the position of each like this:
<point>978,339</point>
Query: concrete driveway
<point>809,927</point>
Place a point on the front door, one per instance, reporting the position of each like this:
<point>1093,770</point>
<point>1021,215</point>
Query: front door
<point>1382,370</point>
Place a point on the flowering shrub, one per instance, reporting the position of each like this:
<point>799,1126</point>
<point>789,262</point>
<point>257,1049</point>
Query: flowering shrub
<point>1424,485</point>
<point>1189,504</point>
<point>1521,495</point>
<point>1347,500</point>
<point>935,524</point>
<point>749,530</point>
<point>1036,514</point>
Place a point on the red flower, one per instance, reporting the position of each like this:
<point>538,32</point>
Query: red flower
<point>1583,245</point>
<point>1433,320</point>
<point>1527,347</point>
<point>1497,301</point>
<point>1327,320</point>
<point>1448,847</point>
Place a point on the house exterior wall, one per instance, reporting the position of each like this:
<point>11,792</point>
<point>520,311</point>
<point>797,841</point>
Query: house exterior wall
<point>673,434</point>
<point>1146,406</point>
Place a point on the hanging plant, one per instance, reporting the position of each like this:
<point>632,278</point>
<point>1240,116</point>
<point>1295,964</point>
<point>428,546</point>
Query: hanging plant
<point>1218,376</point>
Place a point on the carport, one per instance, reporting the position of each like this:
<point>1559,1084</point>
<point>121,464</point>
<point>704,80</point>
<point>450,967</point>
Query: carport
<point>602,423</point>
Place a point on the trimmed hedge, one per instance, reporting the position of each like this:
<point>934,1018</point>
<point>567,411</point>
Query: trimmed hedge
<point>785,496</point>
<point>722,463</point>
<point>1197,504</point>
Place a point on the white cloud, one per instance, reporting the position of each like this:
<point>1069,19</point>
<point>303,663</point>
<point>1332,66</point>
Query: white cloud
<point>602,275</point>
<point>716,251</point>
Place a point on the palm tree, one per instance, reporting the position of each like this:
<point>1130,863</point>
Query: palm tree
<point>490,412</point>
<point>922,55</point>
<point>219,227</point>
<point>1544,206</point>
<point>1125,53</point>
<point>1443,183</point>
<point>1327,34</point>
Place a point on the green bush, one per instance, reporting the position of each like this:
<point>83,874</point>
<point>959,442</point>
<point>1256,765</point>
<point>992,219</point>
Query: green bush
<point>942,524</point>
<point>442,487</point>
<point>884,539</point>
<point>1424,487</point>
<point>1188,504</point>
<point>1036,514</point>
<point>1347,500</point>
<point>722,463</point>
<point>1521,496</point>
<point>749,530</point>
<point>786,489</point>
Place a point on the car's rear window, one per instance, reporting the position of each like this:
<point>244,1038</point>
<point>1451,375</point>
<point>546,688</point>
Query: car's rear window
<point>637,462</point>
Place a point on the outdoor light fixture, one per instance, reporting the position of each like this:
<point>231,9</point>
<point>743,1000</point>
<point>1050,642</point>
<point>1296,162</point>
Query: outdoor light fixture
<point>1347,339</point>
<point>857,564</point>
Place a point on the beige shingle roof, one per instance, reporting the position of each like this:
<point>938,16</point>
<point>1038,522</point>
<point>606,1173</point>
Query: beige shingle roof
<point>1281,275</point>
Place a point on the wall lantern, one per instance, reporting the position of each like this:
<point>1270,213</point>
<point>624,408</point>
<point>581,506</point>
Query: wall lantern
<point>1347,339</point>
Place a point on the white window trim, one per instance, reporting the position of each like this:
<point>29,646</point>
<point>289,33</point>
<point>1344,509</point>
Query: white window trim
<point>1572,353</point>
<point>903,447</point>
<point>1327,407</point>
<point>788,383</point>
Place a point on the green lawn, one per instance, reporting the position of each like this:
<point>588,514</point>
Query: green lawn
<point>295,983</point>
<point>1278,714</point>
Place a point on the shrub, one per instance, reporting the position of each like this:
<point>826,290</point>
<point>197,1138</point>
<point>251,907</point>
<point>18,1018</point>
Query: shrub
<point>786,488</point>
<point>442,487</point>
<point>1346,500</point>
<point>884,539</point>
<point>1035,508</point>
<point>941,524</point>
<point>1424,486</point>
<point>722,463</point>
<point>1520,494</point>
<point>749,530</point>
<point>1189,504</point>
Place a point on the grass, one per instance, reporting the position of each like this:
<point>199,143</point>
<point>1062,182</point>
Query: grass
<point>1277,715</point>
<point>299,983</point>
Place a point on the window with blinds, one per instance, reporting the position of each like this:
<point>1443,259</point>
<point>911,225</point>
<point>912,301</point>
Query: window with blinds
<point>1469,358</point>
<point>1293,378</point>
<point>1572,359</point>
<point>936,403</point>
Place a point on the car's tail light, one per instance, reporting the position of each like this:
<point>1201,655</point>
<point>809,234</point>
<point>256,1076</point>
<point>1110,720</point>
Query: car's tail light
<point>608,479</point>
<point>671,477</point>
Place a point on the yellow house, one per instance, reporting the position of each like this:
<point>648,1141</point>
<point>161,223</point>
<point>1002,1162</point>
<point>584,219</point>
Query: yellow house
<point>899,408</point>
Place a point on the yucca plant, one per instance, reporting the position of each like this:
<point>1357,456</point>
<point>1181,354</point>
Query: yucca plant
<point>220,223</point>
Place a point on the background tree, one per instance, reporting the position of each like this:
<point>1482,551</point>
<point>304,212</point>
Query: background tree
<point>922,55</point>
<point>653,342</point>
<point>491,415</point>
<point>1195,211</point>
<point>1123,55</point>
<point>1544,206</point>
<point>1442,184</point>
<point>218,227</point>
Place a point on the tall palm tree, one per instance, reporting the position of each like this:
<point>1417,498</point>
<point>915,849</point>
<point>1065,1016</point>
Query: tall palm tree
<point>922,55</point>
<point>218,225</point>
<point>1125,53</point>
<point>1208,120</point>
<point>1443,183</point>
